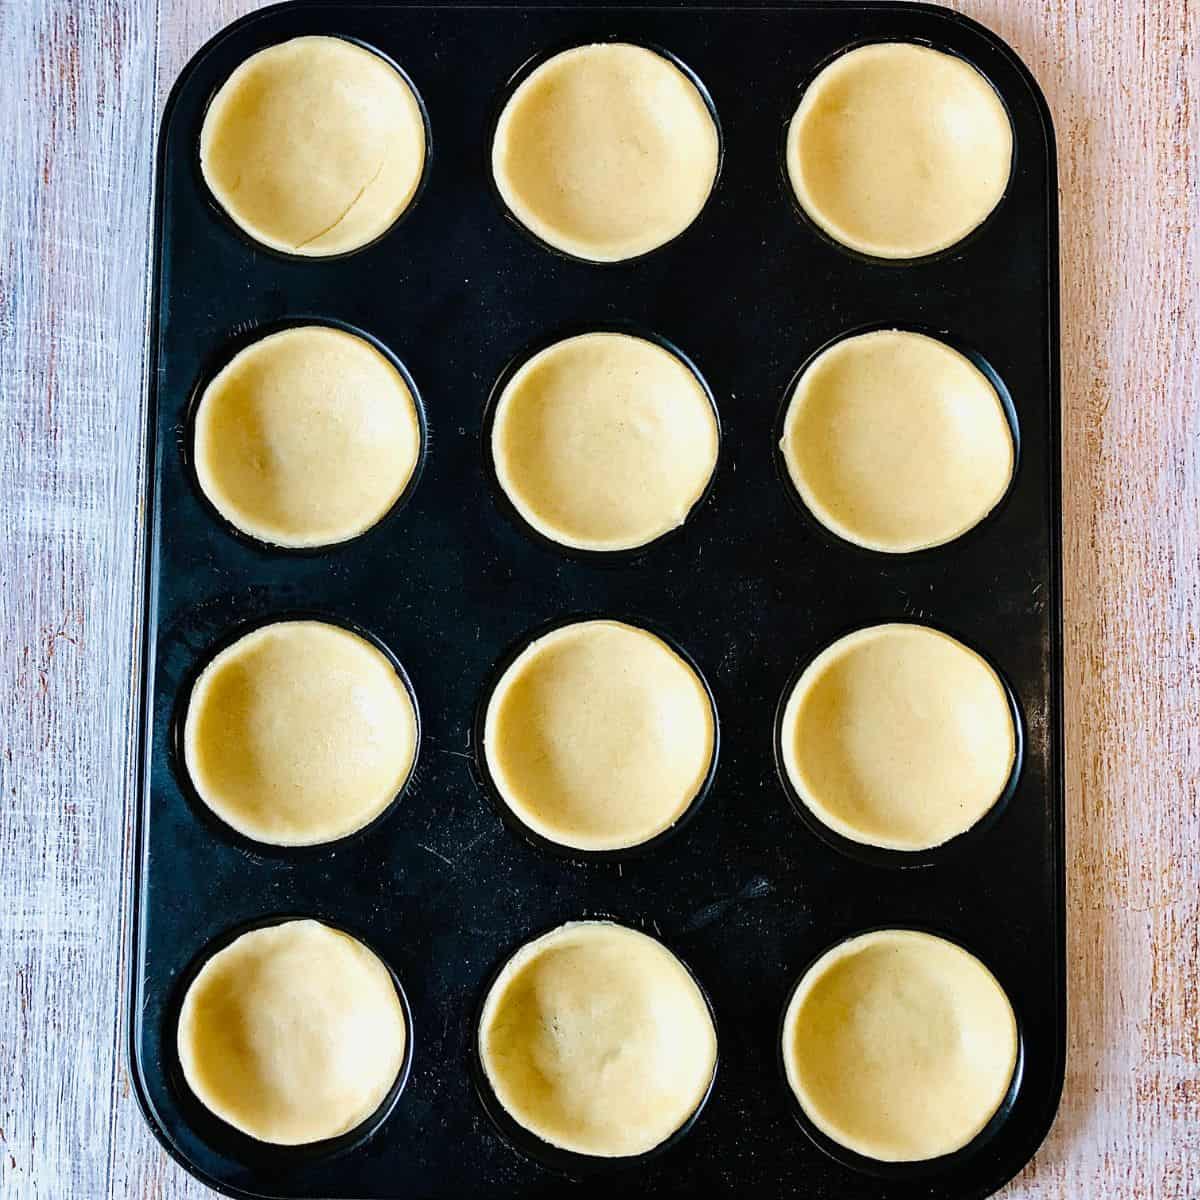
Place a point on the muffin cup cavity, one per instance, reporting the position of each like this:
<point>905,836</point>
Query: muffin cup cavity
<point>243,339</point>
<point>508,815</point>
<point>902,1170</point>
<point>543,239</point>
<point>523,1139</point>
<point>824,225</point>
<point>842,537</point>
<point>593,555</point>
<point>886,856</point>
<point>219,196</point>
<point>224,1139</point>
<point>217,826</point>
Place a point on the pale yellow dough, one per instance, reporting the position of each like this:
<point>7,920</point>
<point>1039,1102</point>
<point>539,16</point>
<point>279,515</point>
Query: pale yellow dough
<point>606,151</point>
<point>599,736</point>
<point>898,736</point>
<point>900,1045</point>
<point>897,442</point>
<point>293,1033</point>
<point>604,441</point>
<point>307,437</point>
<point>299,733</point>
<point>898,150</point>
<point>314,147</point>
<point>595,1038</point>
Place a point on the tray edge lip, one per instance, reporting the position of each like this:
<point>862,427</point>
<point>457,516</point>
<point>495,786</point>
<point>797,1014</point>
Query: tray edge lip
<point>1056,774</point>
<point>146,601</point>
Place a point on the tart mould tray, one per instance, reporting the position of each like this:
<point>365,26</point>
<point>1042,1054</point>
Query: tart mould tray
<point>452,583</point>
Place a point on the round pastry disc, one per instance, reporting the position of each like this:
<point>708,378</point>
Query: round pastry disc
<point>300,732</point>
<point>899,1045</point>
<point>604,441</point>
<point>596,1039</point>
<point>898,736</point>
<point>314,147</point>
<point>307,437</point>
<point>896,442</point>
<point>293,1033</point>
<point>898,150</point>
<point>606,151</point>
<point>599,736</point>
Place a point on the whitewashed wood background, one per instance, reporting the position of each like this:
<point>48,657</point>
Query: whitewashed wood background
<point>81,84</point>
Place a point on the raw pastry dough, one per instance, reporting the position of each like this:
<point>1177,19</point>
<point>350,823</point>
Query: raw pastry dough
<point>898,736</point>
<point>604,441</point>
<point>595,1038</point>
<point>314,147</point>
<point>306,438</point>
<point>599,736</point>
<point>293,1033</point>
<point>606,151</point>
<point>898,150</point>
<point>299,733</point>
<point>900,1045</point>
<point>897,442</point>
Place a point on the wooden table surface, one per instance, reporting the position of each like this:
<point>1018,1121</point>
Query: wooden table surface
<point>81,85</point>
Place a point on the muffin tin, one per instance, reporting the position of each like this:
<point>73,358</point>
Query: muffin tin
<point>452,581</point>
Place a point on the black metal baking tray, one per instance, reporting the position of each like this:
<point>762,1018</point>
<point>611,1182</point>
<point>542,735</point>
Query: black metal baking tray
<point>442,887</point>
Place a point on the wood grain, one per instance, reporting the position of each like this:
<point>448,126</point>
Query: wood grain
<point>75,152</point>
<point>81,85</point>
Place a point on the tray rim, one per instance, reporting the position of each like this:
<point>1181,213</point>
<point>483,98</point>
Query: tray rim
<point>145,576</point>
